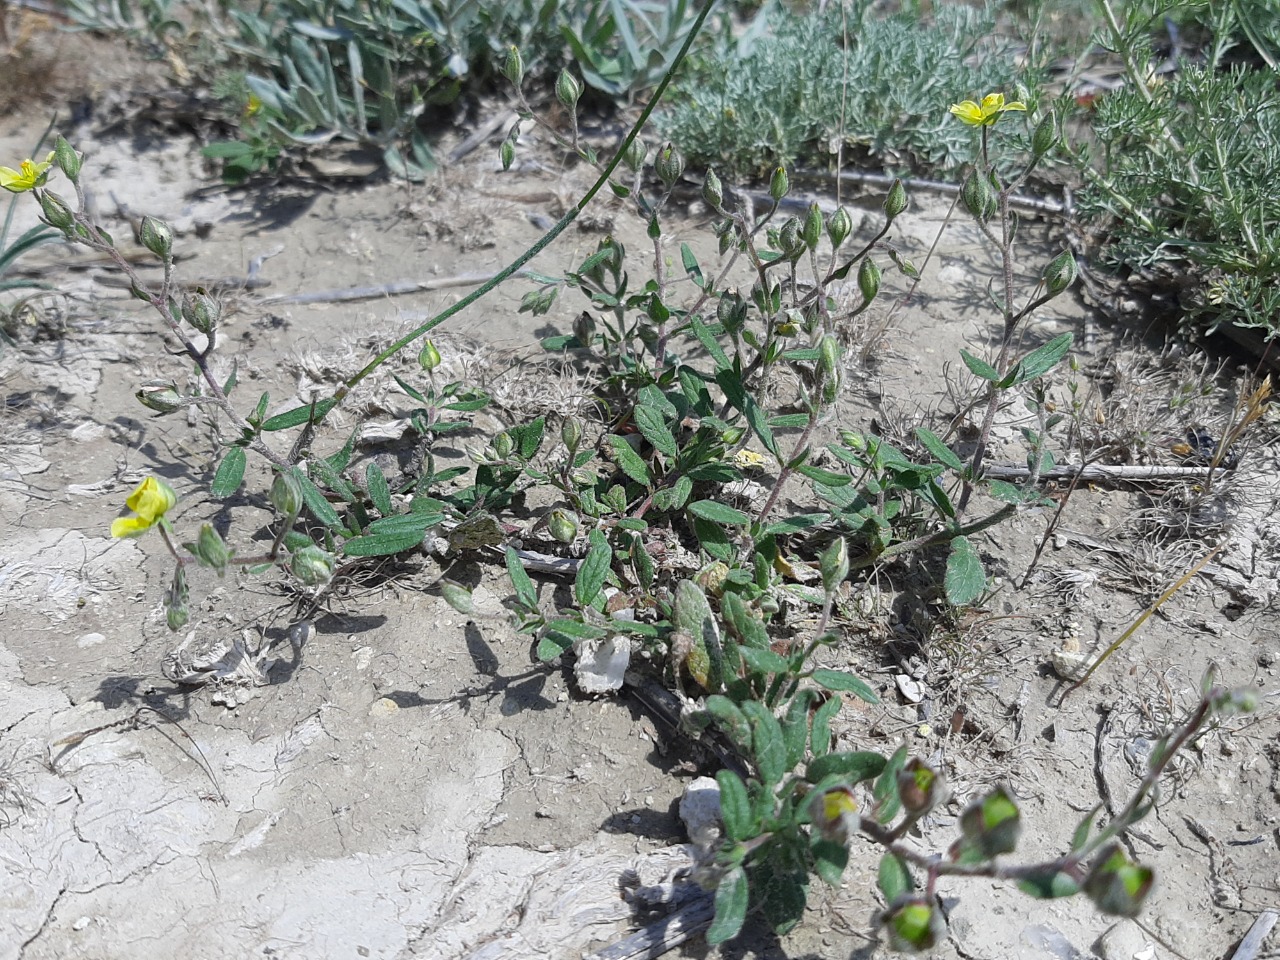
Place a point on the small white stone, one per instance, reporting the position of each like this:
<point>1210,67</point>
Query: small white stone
<point>90,640</point>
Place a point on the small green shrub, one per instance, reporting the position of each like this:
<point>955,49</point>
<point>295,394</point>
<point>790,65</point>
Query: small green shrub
<point>798,84</point>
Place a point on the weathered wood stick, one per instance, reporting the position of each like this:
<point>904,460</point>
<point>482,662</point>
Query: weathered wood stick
<point>1252,941</point>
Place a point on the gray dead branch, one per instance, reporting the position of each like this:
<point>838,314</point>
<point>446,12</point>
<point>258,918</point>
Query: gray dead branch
<point>1101,471</point>
<point>663,935</point>
<point>1253,940</point>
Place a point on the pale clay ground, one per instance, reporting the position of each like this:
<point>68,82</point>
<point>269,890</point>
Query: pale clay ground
<point>415,785</point>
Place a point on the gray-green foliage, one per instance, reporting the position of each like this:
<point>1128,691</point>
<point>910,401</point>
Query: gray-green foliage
<point>789,93</point>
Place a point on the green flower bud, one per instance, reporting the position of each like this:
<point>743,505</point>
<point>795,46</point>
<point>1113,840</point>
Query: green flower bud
<point>175,600</point>
<point>712,191</point>
<point>868,280</point>
<point>1060,273</point>
<point>568,89</point>
<point>312,565</point>
<point>668,164</point>
<point>1117,885</point>
<point>829,355</point>
<point>1045,136</point>
<point>584,329</point>
<point>428,357</point>
<point>457,596</point>
<point>513,68</point>
<point>563,526</point>
<point>67,159</point>
<point>990,826</point>
<point>156,236</point>
<point>161,396</point>
<point>56,212</point>
<point>834,564</point>
<point>979,199</point>
<point>839,226</point>
<point>211,550</point>
<point>921,787</point>
<point>286,494</point>
<point>779,183</point>
<point>833,811</point>
<point>896,201</point>
<point>713,577</point>
<point>571,433</point>
<point>634,157</point>
<point>790,240</point>
<point>854,441</point>
<point>811,230</point>
<point>914,924</point>
<point>732,436</point>
<point>507,154</point>
<point>202,311</point>
<point>503,445</point>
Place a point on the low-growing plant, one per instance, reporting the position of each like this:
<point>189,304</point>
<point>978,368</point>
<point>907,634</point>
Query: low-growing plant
<point>717,388</point>
<point>26,176</point>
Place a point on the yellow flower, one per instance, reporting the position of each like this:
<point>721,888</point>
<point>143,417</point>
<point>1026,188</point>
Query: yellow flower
<point>29,175</point>
<point>150,502</point>
<point>748,459</point>
<point>987,112</point>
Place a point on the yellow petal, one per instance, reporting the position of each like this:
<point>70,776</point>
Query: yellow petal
<point>129,527</point>
<point>968,112</point>
<point>1014,105</point>
<point>151,500</point>
<point>992,103</point>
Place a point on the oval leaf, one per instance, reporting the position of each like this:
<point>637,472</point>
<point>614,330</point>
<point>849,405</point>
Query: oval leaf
<point>845,683</point>
<point>965,579</point>
<point>230,472</point>
<point>731,907</point>
<point>718,512</point>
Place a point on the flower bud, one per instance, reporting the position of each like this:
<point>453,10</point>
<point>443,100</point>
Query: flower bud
<point>156,236</point>
<point>979,199</point>
<point>211,550</point>
<point>990,826</point>
<point>1045,136</point>
<point>563,526</point>
<point>286,494</point>
<point>67,159</point>
<point>507,154</point>
<point>811,230</point>
<point>833,811</point>
<point>584,329</point>
<point>868,280</point>
<point>834,564</point>
<point>503,445</point>
<point>790,240</point>
<point>175,600</point>
<point>428,357</point>
<point>896,201</point>
<point>839,226</point>
<point>571,433</point>
<point>1060,273</point>
<point>202,311</point>
<point>1117,885</point>
<point>712,190</point>
<point>457,596</point>
<point>161,396</point>
<point>568,89</point>
<point>921,787</point>
<point>713,577</point>
<point>668,164</point>
<point>513,68</point>
<point>914,924</point>
<point>732,436</point>
<point>56,212</point>
<point>312,565</point>
<point>634,157</point>
<point>779,183</point>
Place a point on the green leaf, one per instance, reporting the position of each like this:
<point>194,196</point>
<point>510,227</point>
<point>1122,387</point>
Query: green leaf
<point>767,745</point>
<point>820,731</point>
<point>718,513</point>
<point>595,568</point>
<point>402,524</point>
<point>709,343</point>
<point>1007,492</point>
<point>965,579</point>
<point>782,897</point>
<point>937,449</point>
<point>299,415</point>
<point>654,429</point>
<point>829,860</point>
<point>845,683</point>
<point>525,590</point>
<point>630,461</point>
<point>379,489</point>
<point>855,765</point>
<point>230,472</point>
<point>735,807</point>
<point>1082,831</point>
<point>791,421</point>
<point>979,367</point>
<point>731,720</point>
<point>796,524</point>
<point>1049,885</point>
<point>893,879</point>
<point>528,437</point>
<point>1043,359</point>
<point>690,262</point>
<point>885,792</point>
<point>730,382</point>
<point>382,544</point>
<point>731,907</point>
<point>795,726</point>
<point>320,508</point>
<point>342,459</point>
<point>576,629</point>
<point>764,660</point>
<point>828,478</point>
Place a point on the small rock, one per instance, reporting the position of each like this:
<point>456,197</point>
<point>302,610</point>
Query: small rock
<point>90,640</point>
<point>700,808</point>
<point>80,923</point>
<point>383,707</point>
<point>911,691</point>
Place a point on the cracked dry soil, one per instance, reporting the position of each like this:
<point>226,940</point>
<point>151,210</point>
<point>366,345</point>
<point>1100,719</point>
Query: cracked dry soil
<point>410,783</point>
